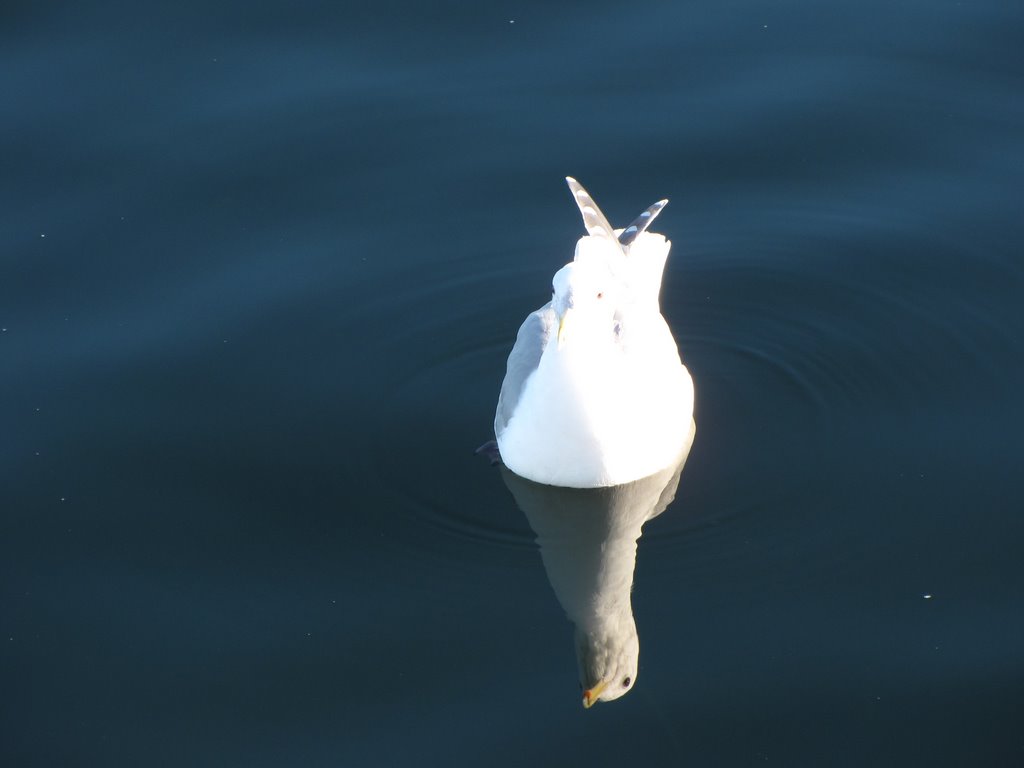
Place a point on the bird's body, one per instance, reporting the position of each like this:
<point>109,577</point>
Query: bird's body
<point>595,393</point>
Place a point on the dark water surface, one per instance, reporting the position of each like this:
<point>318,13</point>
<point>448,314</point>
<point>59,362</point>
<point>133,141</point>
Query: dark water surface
<point>261,268</point>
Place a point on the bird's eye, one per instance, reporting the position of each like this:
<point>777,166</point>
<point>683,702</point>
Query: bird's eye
<point>626,682</point>
<point>600,294</point>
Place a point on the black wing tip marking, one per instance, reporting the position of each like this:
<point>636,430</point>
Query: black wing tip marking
<point>641,223</point>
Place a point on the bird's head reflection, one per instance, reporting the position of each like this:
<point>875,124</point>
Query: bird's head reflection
<point>588,539</point>
<point>607,661</point>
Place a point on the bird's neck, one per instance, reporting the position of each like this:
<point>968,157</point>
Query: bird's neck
<point>610,606</point>
<point>589,559</point>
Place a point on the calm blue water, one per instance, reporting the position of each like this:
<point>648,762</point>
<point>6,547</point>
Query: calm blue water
<point>261,267</point>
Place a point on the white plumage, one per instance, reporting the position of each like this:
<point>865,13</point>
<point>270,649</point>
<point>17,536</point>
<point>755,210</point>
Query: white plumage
<point>595,393</point>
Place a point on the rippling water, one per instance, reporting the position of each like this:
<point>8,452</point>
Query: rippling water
<point>261,270</point>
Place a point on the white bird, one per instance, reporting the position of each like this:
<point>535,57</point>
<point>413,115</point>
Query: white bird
<point>595,393</point>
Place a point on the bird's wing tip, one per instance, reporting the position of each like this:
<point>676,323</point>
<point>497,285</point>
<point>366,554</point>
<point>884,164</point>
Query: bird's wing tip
<point>593,220</point>
<point>640,224</point>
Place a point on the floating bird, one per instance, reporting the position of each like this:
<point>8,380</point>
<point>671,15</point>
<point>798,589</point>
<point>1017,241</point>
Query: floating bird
<point>595,393</point>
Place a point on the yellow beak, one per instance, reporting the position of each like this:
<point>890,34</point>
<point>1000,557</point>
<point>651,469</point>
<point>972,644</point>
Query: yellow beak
<point>563,323</point>
<point>590,697</point>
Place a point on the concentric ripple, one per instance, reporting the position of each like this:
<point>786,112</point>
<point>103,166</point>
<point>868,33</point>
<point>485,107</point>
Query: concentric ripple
<point>790,355</point>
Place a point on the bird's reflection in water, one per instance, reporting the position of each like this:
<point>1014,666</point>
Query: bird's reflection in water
<point>588,539</point>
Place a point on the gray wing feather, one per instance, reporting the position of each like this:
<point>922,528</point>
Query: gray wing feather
<point>594,221</point>
<point>641,223</point>
<point>523,361</point>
